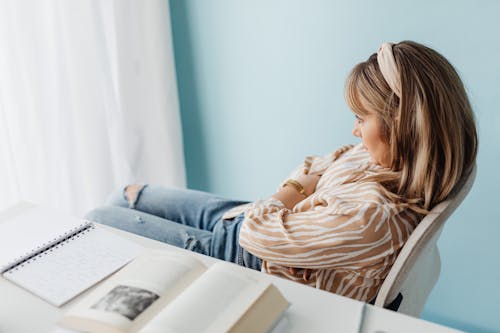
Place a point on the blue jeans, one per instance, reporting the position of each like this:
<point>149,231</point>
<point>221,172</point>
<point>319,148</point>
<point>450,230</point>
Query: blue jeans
<point>187,219</point>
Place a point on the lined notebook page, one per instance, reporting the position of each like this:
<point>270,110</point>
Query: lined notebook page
<point>64,271</point>
<point>25,228</point>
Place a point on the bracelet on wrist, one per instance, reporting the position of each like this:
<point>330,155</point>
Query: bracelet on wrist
<point>298,186</point>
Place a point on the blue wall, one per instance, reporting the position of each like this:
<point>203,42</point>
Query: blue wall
<point>261,86</point>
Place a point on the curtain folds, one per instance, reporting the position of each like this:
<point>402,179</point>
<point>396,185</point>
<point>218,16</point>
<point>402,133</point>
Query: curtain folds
<point>88,100</point>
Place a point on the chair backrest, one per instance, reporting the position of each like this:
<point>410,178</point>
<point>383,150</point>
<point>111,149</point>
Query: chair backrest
<point>417,266</point>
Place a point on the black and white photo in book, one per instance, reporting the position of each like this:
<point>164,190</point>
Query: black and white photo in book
<point>126,300</point>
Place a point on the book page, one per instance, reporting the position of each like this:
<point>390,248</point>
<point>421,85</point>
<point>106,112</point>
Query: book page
<point>213,303</point>
<point>69,268</point>
<point>135,294</point>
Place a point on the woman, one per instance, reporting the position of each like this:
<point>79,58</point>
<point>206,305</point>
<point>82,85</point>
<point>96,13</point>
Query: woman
<point>339,221</point>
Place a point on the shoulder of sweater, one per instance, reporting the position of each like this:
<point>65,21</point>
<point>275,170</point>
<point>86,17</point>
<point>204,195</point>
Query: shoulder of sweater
<point>362,196</point>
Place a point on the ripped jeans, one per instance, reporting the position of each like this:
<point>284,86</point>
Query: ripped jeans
<point>187,219</point>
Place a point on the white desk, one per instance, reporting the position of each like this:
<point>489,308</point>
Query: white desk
<point>311,310</point>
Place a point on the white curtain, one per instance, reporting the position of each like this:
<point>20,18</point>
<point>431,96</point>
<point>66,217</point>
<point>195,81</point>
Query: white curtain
<point>88,100</point>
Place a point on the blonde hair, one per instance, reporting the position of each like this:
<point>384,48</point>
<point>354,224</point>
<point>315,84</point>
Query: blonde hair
<point>430,130</point>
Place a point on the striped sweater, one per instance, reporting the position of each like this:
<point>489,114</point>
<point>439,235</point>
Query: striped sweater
<point>347,235</point>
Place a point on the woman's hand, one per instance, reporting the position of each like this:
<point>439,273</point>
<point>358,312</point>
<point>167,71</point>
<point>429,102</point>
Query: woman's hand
<point>305,276</point>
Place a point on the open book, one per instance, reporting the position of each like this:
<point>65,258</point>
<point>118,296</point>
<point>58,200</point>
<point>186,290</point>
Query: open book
<point>166,292</point>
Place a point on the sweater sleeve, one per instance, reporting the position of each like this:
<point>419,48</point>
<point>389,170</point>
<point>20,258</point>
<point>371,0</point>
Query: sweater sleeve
<point>349,236</point>
<point>315,164</point>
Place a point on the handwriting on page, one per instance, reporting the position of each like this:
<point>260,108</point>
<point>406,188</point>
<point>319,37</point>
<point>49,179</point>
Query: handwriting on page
<point>71,267</point>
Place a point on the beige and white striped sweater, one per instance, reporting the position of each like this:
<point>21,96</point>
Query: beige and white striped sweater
<point>348,235</point>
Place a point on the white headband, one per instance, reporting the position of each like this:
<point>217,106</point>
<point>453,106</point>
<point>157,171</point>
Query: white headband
<point>387,66</point>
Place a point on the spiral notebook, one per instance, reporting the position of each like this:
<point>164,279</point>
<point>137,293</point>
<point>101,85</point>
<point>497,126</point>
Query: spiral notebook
<point>56,256</point>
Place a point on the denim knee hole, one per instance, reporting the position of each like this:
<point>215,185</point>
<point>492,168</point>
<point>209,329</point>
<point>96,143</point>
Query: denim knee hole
<point>191,243</point>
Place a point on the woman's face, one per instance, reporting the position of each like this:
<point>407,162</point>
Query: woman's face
<point>367,128</point>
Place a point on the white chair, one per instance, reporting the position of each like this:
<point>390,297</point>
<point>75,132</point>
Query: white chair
<point>417,266</point>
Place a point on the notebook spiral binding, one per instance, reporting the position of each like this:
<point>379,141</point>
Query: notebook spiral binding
<point>47,247</point>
